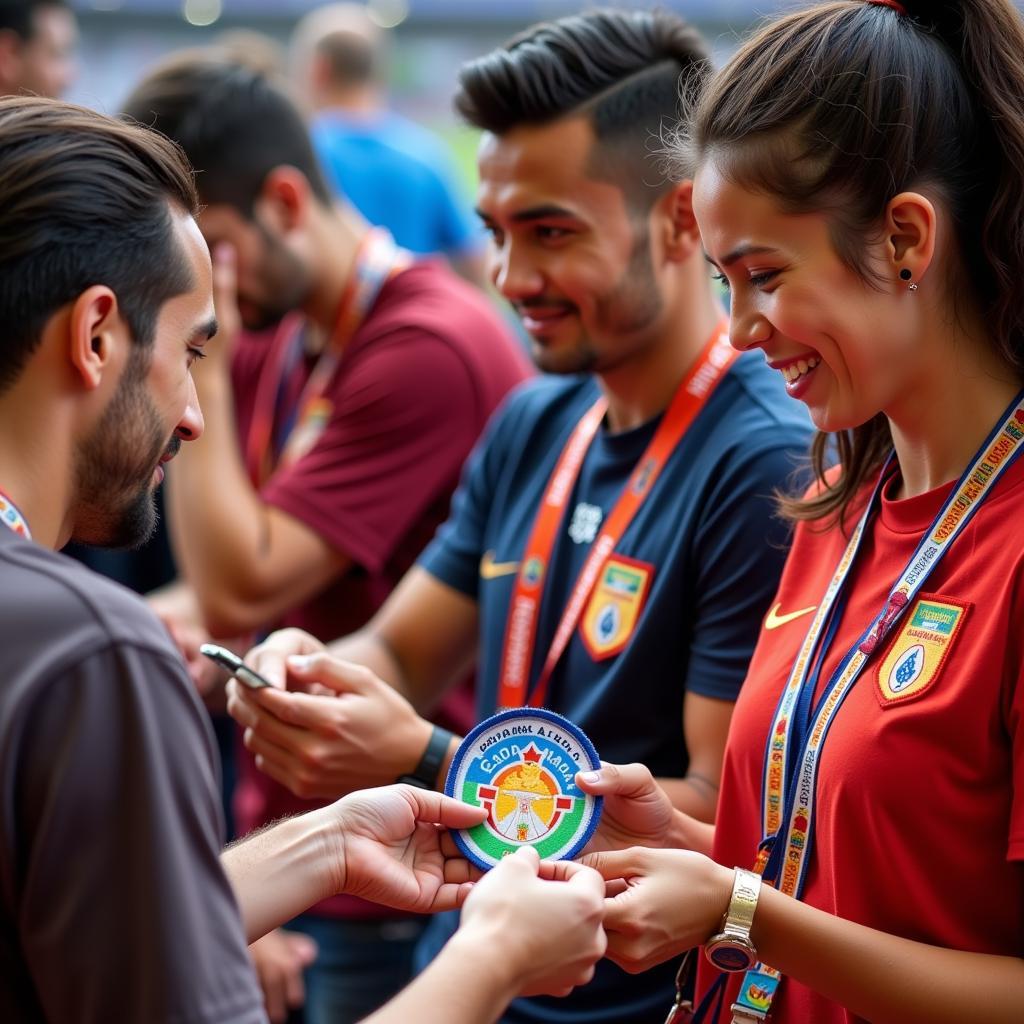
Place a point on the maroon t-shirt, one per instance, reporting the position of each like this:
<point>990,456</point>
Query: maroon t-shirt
<point>412,394</point>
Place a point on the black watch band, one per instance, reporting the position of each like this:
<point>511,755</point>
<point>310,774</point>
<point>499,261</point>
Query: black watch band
<point>425,773</point>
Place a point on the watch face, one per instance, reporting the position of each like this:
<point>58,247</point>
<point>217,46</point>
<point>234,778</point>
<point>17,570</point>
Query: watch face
<point>727,955</point>
<point>521,766</point>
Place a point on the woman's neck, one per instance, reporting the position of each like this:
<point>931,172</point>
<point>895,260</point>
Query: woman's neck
<point>955,403</point>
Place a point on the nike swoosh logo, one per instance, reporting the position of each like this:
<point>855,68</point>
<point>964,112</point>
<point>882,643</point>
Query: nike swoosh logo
<point>775,620</point>
<point>491,570</point>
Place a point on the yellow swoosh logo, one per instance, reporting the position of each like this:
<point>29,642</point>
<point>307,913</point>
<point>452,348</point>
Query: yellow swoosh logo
<point>775,620</point>
<point>491,570</point>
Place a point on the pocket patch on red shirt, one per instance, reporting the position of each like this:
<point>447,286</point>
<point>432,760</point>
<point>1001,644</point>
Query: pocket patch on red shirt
<point>917,654</point>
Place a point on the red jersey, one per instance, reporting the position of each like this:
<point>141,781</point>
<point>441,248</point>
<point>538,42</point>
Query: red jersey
<point>414,389</point>
<point>920,802</point>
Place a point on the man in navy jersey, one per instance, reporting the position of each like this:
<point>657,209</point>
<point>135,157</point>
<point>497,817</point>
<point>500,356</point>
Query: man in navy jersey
<point>612,550</point>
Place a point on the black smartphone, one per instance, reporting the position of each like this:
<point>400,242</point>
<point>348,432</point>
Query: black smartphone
<point>234,664</point>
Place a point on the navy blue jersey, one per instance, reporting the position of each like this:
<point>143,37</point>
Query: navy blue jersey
<point>691,579</point>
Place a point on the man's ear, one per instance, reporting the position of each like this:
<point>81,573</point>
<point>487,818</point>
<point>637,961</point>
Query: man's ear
<point>96,333</point>
<point>285,199</point>
<point>910,225</point>
<point>678,226</point>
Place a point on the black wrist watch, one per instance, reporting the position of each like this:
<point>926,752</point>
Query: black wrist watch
<point>424,775</point>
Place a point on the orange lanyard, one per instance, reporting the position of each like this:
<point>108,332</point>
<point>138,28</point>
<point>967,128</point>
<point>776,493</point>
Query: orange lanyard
<point>377,260</point>
<point>524,610</point>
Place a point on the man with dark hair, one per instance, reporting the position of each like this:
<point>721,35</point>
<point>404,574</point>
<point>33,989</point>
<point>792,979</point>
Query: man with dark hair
<point>395,172</point>
<point>37,42</point>
<point>612,549</point>
<point>333,448</point>
<point>114,902</point>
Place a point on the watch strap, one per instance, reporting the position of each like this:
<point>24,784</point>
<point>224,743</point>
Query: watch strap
<point>746,887</point>
<point>424,775</point>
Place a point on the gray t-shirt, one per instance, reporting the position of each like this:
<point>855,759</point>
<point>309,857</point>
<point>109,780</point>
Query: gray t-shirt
<point>113,903</point>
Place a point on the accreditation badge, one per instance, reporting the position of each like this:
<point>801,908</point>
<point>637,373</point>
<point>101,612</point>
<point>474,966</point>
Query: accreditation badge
<point>924,642</point>
<point>615,605</point>
<point>521,765</point>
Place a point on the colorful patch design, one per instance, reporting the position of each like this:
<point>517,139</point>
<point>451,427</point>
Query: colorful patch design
<point>615,605</point>
<point>533,572</point>
<point>757,992</point>
<point>521,765</point>
<point>920,649</point>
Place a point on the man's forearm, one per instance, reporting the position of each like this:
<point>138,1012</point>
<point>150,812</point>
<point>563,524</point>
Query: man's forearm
<point>283,870</point>
<point>468,983</point>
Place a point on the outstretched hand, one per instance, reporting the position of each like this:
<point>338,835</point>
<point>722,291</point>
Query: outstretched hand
<point>394,851</point>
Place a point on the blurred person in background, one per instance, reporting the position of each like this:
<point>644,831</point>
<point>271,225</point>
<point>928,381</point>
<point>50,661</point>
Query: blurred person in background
<point>395,172</point>
<point>37,44</point>
<point>255,50</point>
<point>612,550</point>
<point>332,450</point>
<point>116,903</point>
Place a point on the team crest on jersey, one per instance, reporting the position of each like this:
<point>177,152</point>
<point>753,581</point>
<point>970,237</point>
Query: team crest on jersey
<point>916,656</point>
<point>615,605</point>
<point>521,766</point>
<point>533,572</point>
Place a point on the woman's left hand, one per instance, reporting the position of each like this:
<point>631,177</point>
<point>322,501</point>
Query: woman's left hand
<point>667,901</point>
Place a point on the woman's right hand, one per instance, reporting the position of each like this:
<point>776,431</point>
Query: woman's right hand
<point>666,902</point>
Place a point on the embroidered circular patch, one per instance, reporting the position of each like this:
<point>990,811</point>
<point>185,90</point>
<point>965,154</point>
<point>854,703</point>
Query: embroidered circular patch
<point>521,765</point>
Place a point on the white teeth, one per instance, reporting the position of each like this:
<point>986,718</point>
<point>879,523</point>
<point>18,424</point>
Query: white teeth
<point>796,370</point>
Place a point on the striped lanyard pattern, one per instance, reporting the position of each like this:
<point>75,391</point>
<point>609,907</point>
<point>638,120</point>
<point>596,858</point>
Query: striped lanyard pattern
<point>11,517</point>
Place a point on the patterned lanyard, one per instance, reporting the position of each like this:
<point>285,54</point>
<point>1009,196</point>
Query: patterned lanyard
<point>12,518</point>
<point>789,787</point>
<point>377,260</point>
<point>524,609</point>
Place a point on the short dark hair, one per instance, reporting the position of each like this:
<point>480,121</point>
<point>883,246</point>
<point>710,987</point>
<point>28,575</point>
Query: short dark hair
<point>351,58</point>
<point>630,72</point>
<point>18,16</point>
<point>235,123</point>
<point>84,200</point>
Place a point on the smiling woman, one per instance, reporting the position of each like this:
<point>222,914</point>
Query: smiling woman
<point>859,188</point>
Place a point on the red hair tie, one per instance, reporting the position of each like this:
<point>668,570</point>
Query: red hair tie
<point>894,4</point>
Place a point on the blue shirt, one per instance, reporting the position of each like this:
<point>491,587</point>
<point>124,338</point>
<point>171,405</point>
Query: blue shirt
<point>705,552</point>
<point>399,176</point>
